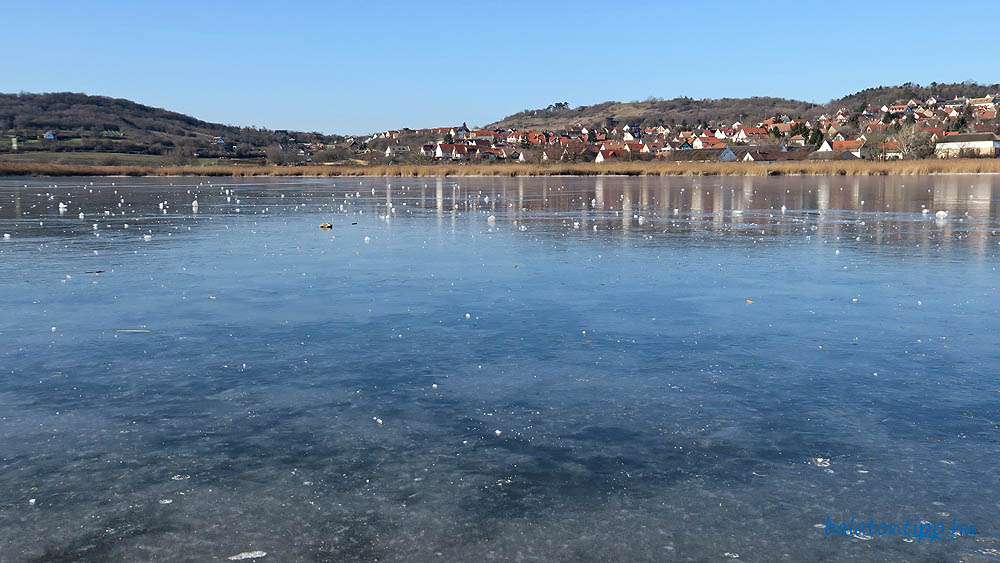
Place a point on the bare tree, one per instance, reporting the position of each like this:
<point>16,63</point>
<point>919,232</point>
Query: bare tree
<point>875,145</point>
<point>913,143</point>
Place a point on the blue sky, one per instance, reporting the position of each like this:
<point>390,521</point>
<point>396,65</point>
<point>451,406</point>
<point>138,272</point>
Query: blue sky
<point>356,67</point>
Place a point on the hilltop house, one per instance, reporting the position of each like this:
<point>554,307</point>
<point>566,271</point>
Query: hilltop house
<point>50,136</point>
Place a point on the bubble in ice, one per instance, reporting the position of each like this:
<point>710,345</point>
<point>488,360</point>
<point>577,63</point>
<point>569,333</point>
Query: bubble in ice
<point>368,239</point>
<point>247,555</point>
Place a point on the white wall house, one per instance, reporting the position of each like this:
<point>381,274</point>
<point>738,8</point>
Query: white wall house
<point>396,150</point>
<point>981,144</point>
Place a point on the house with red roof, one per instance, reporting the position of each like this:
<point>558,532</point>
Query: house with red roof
<point>605,155</point>
<point>751,135</point>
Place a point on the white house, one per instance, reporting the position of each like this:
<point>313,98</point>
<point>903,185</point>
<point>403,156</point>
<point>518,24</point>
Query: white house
<point>604,155</point>
<point>979,144</point>
<point>396,150</point>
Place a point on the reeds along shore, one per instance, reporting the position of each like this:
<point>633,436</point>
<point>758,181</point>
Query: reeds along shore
<point>838,168</point>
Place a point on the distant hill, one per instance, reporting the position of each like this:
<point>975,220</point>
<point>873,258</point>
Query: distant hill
<point>889,94</point>
<point>134,127</point>
<point>690,112</point>
<point>654,111</point>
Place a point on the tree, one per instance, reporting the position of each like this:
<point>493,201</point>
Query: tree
<point>180,156</point>
<point>875,146</point>
<point>800,129</point>
<point>279,156</point>
<point>816,137</point>
<point>591,136</point>
<point>959,124</point>
<point>243,150</point>
<point>913,142</point>
<point>332,154</point>
<point>448,139</point>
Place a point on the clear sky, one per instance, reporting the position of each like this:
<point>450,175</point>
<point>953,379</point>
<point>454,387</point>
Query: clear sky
<point>357,67</point>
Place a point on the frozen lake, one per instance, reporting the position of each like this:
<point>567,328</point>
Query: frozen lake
<point>497,369</point>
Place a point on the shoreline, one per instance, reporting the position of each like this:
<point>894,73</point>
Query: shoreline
<point>807,168</point>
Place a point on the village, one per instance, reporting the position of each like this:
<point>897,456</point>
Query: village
<point>86,132</point>
<point>908,129</point>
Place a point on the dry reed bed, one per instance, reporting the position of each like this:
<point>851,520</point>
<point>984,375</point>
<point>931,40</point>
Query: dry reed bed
<point>839,168</point>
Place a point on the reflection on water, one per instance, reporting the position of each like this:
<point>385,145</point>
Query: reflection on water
<point>467,369</point>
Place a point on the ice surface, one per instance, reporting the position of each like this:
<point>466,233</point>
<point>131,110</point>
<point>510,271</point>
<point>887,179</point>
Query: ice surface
<point>695,386</point>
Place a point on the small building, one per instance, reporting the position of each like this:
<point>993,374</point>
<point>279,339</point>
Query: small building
<point>853,147</point>
<point>604,155</point>
<point>396,150</point>
<point>782,154</point>
<point>701,155</point>
<point>972,144</point>
<point>50,136</point>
